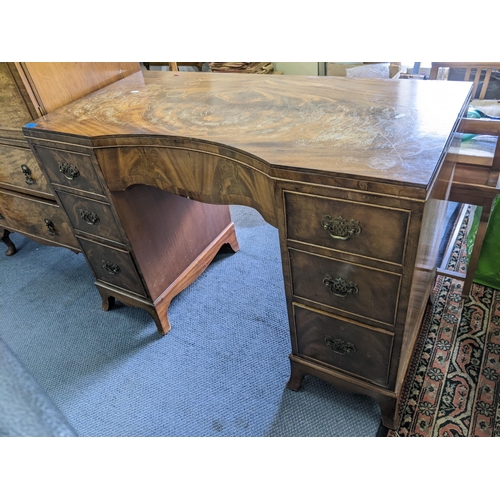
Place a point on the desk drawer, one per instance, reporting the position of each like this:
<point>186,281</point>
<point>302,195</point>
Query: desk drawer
<point>19,168</point>
<point>113,266</point>
<point>366,292</point>
<point>357,228</point>
<point>70,169</point>
<point>347,346</point>
<point>91,216</point>
<point>39,218</point>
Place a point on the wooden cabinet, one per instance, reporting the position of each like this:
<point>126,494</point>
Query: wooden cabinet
<point>352,172</point>
<point>144,246</point>
<point>28,91</point>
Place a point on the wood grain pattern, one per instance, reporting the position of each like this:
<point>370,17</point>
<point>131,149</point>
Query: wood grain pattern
<point>12,160</point>
<point>120,270</point>
<point>48,82</point>
<point>84,177</point>
<point>27,215</point>
<point>294,148</point>
<point>382,230</point>
<point>27,91</point>
<point>15,112</point>
<point>377,292</point>
<point>364,128</point>
<point>367,352</point>
<point>90,216</point>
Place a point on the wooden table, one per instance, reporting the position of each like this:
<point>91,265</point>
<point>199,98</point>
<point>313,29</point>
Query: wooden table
<point>351,172</point>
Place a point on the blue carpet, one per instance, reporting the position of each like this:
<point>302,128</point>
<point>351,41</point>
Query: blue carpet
<point>220,371</point>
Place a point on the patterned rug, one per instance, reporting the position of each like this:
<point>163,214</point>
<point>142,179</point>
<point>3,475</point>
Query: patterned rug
<point>453,382</point>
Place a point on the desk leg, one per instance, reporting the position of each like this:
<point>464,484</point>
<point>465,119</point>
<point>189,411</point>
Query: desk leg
<point>296,376</point>
<point>11,248</point>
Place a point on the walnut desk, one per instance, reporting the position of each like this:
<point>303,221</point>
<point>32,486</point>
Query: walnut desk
<point>351,172</point>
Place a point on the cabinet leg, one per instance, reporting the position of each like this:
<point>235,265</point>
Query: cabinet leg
<point>108,301</point>
<point>389,407</point>
<point>11,248</point>
<point>296,376</point>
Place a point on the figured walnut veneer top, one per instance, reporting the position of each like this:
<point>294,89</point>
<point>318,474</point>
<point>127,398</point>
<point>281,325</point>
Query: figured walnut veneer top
<point>395,130</point>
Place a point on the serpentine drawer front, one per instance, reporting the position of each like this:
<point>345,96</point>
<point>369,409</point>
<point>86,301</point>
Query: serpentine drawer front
<point>357,228</point>
<point>19,168</point>
<point>70,169</point>
<point>349,346</point>
<point>90,216</point>
<point>39,218</point>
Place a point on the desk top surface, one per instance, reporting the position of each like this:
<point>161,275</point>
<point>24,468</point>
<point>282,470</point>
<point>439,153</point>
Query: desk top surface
<point>393,130</point>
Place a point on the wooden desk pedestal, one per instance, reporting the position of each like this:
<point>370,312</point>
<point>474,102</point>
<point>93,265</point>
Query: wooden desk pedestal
<point>352,173</point>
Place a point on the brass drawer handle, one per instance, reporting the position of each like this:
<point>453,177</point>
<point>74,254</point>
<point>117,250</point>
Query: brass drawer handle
<point>27,174</point>
<point>89,217</point>
<point>69,171</point>
<point>340,346</point>
<point>340,228</point>
<point>110,267</point>
<point>339,286</point>
<point>50,226</point>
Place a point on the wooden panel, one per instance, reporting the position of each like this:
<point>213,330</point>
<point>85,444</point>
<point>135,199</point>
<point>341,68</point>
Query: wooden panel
<point>112,266</point>
<point>56,84</point>
<point>167,232</point>
<point>90,216</point>
<point>12,161</point>
<point>382,230</point>
<point>348,346</point>
<point>377,292</point>
<point>15,112</point>
<point>27,215</point>
<point>185,169</point>
<point>362,128</point>
<point>69,169</point>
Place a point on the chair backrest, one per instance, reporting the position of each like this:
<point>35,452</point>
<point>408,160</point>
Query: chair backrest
<point>471,71</point>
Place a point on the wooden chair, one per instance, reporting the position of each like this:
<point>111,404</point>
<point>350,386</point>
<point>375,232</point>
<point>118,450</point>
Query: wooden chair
<point>481,68</point>
<point>476,179</point>
<point>174,66</point>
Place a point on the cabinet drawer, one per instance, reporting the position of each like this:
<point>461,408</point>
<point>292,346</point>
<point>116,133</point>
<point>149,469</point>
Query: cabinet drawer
<point>357,228</point>
<point>70,169</point>
<point>113,266</point>
<point>350,347</point>
<point>19,168</point>
<point>91,216</point>
<point>366,292</point>
<point>43,219</point>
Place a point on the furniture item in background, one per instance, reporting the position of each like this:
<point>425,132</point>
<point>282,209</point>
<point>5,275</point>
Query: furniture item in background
<point>174,66</point>
<point>341,68</point>
<point>69,205</point>
<point>359,216</point>
<point>476,180</point>
<point>28,91</point>
<point>478,72</point>
<point>242,67</point>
